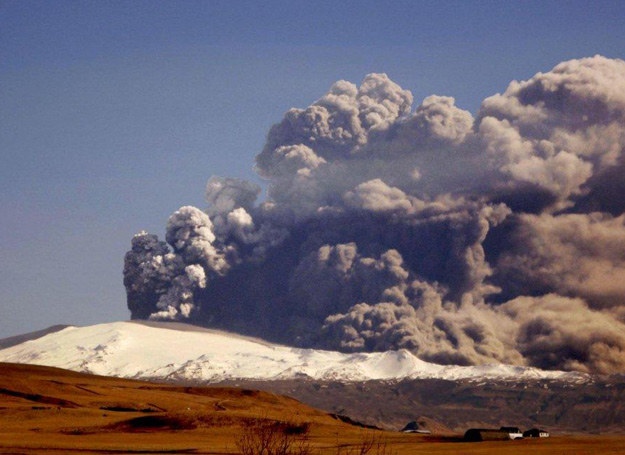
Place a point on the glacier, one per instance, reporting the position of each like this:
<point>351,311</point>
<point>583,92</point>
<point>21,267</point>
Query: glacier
<point>182,352</point>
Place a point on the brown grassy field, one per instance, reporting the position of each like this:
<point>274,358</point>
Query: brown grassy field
<point>47,410</point>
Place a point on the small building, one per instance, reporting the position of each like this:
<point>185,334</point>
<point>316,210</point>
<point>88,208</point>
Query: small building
<point>535,433</point>
<point>513,432</point>
<point>414,427</point>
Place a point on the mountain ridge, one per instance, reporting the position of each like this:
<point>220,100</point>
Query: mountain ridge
<point>176,351</point>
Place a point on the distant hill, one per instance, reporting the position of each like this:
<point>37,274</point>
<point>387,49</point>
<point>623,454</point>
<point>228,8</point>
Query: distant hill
<point>593,407</point>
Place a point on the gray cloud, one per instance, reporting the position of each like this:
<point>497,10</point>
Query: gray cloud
<point>465,239</point>
<point>417,317</point>
<point>337,124</point>
<point>146,275</point>
<point>558,128</point>
<point>571,254</point>
<point>564,333</point>
<point>332,278</point>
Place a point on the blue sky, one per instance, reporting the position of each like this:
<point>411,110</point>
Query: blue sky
<point>114,114</point>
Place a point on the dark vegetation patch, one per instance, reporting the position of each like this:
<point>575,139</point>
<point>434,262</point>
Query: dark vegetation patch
<point>249,393</point>
<point>288,427</point>
<point>349,420</point>
<point>296,428</point>
<point>153,423</point>
<point>219,420</point>
<point>40,398</point>
<point>220,407</point>
<point>77,431</point>
<point>126,409</point>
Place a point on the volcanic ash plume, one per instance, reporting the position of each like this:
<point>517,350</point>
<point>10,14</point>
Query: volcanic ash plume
<point>498,237</point>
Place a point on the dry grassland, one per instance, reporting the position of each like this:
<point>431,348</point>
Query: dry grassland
<point>51,411</point>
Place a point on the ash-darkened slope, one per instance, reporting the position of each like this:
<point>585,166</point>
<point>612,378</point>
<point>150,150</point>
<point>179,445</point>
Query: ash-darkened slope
<point>466,239</point>
<point>562,407</point>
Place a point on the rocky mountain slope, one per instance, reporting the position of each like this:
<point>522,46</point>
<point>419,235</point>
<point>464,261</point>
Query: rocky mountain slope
<point>596,406</point>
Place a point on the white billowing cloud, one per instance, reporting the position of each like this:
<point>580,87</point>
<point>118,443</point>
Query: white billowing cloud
<point>574,95</point>
<point>190,233</point>
<point>377,196</point>
<point>196,275</point>
<point>225,194</point>
<point>440,119</point>
<point>436,122</point>
<point>240,218</point>
<point>381,102</point>
<point>558,127</point>
<point>165,281</point>
<point>559,172</point>
<point>288,160</point>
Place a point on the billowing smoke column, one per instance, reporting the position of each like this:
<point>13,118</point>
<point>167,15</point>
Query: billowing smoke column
<point>494,238</point>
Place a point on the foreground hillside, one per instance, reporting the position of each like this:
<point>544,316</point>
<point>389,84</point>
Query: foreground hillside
<point>42,407</point>
<point>48,410</point>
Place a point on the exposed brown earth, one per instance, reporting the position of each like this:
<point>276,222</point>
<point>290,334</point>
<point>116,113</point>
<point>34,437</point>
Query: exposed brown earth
<point>48,410</point>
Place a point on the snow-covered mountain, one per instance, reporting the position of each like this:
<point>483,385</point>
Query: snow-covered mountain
<point>174,351</point>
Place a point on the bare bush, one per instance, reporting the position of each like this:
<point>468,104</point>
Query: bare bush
<point>271,437</point>
<point>370,445</point>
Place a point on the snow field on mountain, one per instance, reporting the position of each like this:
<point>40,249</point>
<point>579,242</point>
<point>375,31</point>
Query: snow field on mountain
<point>136,350</point>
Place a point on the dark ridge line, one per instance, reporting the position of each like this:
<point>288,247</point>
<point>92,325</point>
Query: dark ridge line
<point>86,389</point>
<point>40,398</point>
<point>19,339</point>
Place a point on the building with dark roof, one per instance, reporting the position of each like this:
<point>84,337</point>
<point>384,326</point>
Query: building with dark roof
<point>535,433</point>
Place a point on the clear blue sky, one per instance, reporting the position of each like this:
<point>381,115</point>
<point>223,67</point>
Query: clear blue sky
<point>114,114</point>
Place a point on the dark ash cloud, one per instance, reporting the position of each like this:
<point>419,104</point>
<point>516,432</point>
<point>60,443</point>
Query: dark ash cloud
<point>467,240</point>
